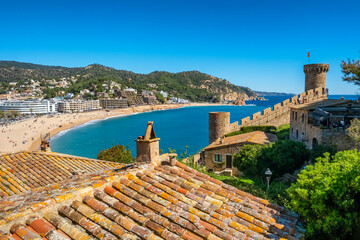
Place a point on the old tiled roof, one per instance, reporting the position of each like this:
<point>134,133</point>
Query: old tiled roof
<point>20,172</point>
<point>256,137</point>
<point>148,201</point>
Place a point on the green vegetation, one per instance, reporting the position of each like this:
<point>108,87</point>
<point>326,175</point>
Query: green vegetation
<point>117,153</point>
<point>160,98</point>
<point>281,157</point>
<point>283,131</point>
<point>9,114</point>
<point>351,70</point>
<point>192,85</point>
<point>353,133</point>
<point>255,186</point>
<point>327,195</point>
<point>270,129</point>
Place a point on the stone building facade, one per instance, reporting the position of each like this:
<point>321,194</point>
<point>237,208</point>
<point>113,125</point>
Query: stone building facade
<point>322,122</point>
<point>218,156</point>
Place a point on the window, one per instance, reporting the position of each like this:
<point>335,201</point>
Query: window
<point>295,115</point>
<point>218,158</point>
<point>292,130</point>
<point>297,134</point>
<point>302,117</point>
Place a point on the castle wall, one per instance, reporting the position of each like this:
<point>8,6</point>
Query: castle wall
<point>279,114</point>
<point>256,116</point>
<point>266,111</point>
<point>245,121</point>
<point>315,90</point>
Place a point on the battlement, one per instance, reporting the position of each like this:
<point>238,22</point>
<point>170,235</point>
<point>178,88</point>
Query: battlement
<point>317,68</point>
<point>280,113</point>
<point>315,76</point>
<point>315,90</point>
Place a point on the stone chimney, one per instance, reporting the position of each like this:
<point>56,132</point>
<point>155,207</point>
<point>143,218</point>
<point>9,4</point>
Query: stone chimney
<point>45,146</point>
<point>147,146</point>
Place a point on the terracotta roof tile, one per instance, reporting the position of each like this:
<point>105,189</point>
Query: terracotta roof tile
<point>20,172</point>
<point>257,137</point>
<point>147,202</point>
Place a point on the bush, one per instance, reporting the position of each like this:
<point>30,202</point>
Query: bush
<point>117,153</point>
<point>283,132</point>
<point>319,150</point>
<point>327,195</point>
<point>283,156</point>
<point>246,160</point>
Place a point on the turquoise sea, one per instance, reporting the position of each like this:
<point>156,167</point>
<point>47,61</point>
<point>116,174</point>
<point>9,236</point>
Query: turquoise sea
<point>176,128</point>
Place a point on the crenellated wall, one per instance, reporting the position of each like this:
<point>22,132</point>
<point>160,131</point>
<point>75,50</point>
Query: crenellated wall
<point>315,90</point>
<point>279,113</point>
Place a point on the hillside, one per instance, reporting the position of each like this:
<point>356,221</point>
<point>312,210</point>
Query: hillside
<point>192,85</point>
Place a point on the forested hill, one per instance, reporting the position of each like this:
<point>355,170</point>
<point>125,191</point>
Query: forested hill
<point>192,85</point>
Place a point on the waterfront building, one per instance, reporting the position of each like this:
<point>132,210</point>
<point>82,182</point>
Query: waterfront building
<point>78,106</point>
<point>29,106</point>
<point>114,103</point>
<point>56,196</point>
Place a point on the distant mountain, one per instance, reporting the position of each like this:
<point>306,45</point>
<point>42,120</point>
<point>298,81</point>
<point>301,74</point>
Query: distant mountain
<point>192,85</point>
<point>273,93</point>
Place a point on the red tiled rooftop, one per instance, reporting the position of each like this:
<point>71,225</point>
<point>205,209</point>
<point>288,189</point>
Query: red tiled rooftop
<point>20,172</point>
<point>147,202</point>
<point>256,137</point>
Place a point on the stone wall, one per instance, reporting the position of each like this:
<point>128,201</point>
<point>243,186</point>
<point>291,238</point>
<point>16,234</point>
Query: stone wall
<point>280,113</point>
<point>315,76</point>
<point>209,157</point>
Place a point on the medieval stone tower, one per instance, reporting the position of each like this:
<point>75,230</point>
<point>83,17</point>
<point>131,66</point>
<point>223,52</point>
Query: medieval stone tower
<point>315,76</point>
<point>219,123</point>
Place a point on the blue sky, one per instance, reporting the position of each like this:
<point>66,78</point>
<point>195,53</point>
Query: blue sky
<point>259,44</point>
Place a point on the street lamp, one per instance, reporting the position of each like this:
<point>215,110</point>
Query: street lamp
<point>268,174</point>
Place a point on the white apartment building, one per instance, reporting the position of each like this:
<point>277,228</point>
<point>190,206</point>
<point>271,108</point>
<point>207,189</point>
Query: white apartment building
<point>29,107</point>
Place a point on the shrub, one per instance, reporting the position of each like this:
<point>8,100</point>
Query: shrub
<point>319,150</point>
<point>117,153</point>
<point>283,132</point>
<point>246,160</point>
<point>283,156</point>
<point>327,195</point>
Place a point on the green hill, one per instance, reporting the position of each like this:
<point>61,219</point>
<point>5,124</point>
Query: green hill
<point>192,85</point>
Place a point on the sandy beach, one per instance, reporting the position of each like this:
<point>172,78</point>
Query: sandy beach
<point>25,135</point>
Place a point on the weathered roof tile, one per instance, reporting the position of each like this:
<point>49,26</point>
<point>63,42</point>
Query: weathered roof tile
<point>161,202</point>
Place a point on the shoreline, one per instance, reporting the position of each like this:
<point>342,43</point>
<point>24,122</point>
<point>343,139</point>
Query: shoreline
<point>25,135</point>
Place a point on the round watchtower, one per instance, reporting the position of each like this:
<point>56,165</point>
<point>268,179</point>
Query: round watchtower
<point>219,123</point>
<point>315,76</point>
